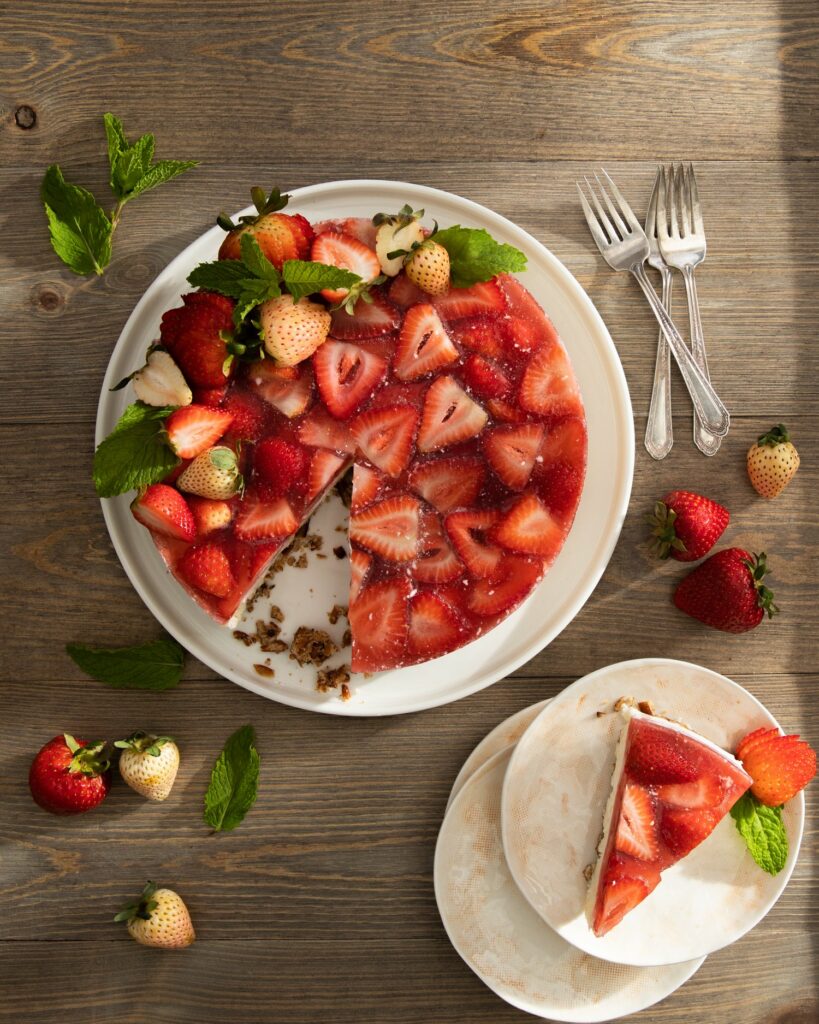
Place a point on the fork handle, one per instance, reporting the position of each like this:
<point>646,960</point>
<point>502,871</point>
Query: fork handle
<point>659,432</point>
<point>707,405</point>
<point>707,442</point>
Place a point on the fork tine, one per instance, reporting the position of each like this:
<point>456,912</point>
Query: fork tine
<point>601,214</point>
<point>628,213</point>
<point>618,220</point>
<point>686,222</point>
<point>696,209</point>
<point>672,201</point>
<point>651,215</point>
<point>591,220</point>
<point>662,208</point>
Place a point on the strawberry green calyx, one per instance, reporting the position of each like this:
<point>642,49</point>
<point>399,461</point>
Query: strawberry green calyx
<point>144,743</point>
<point>758,566</point>
<point>776,435</point>
<point>663,532</point>
<point>359,290</point>
<point>406,215</point>
<point>91,759</point>
<point>264,204</point>
<point>143,908</point>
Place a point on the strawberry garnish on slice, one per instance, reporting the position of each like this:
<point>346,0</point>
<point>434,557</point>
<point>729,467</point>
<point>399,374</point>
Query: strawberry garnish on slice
<point>484,377</point>
<point>706,791</point>
<point>367,484</point>
<point>686,525</point>
<point>404,293</point>
<point>288,388</point>
<point>468,532</point>
<point>529,528</point>
<point>727,592</point>
<point>515,578</point>
<point>210,514</point>
<point>683,830</point>
<point>163,509</point>
<point>325,466</point>
<point>346,375</point>
<point>548,386</point>
<point>341,250</point>
<point>423,344</point>
<point>434,628</point>
<point>389,528</point>
<point>511,452</point>
<point>636,828</point>
<point>367,320</point>
<point>385,436</point>
<point>195,333</point>
<point>621,891</point>
<point>436,562</point>
<point>319,430</point>
<point>448,483</point>
<point>207,567</point>
<point>449,416</point>
<point>282,465</point>
<point>484,298</point>
<point>194,428</point>
<point>360,563</point>
<point>655,758</point>
<point>262,518</point>
<point>780,766</point>
<point>379,621</point>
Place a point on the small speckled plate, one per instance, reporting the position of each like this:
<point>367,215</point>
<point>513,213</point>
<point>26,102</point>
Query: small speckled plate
<point>505,942</point>
<point>556,790</point>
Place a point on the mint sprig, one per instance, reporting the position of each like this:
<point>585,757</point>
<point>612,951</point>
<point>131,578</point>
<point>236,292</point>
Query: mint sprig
<point>475,256</point>
<point>81,231</point>
<point>763,830</point>
<point>155,665</point>
<point>135,453</point>
<point>304,277</point>
<point>234,782</point>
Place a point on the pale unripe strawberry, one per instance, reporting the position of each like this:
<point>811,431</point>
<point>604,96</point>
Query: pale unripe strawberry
<point>772,462</point>
<point>159,919</point>
<point>160,382</point>
<point>428,268</point>
<point>396,234</point>
<point>292,331</point>
<point>213,474</point>
<point>148,764</point>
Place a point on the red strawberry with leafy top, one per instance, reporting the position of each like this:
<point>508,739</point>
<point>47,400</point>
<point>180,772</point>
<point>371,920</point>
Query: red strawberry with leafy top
<point>70,776</point>
<point>163,509</point>
<point>281,236</point>
<point>195,333</point>
<point>726,591</point>
<point>780,765</point>
<point>687,525</point>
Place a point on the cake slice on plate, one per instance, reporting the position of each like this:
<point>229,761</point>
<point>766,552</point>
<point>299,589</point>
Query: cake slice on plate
<point>670,789</point>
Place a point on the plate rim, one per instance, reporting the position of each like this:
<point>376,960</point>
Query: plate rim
<point>794,842</point>
<point>584,306</point>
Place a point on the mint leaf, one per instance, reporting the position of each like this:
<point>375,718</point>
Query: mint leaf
<point>134,454</point>
<point>80,230</point>
<point>131,170</point>
<point>156,665</point>
<point>234,782</point>
<point>763,830</point>
<point>475,256</point>
<point>223,276</point>
<point>302,277</point>
<point>116,141</point>
<point>255,260</point>
<point>162,171</point>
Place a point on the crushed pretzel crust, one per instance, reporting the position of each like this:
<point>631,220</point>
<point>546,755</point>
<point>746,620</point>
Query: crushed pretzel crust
<point>645,706</point>
<point>347,638</point>
<point>266,636</point>
<point>264,670</point>
<point>338,611</point>
<point>312,646</point>
<point>331,678</point>
<point>346,692</point>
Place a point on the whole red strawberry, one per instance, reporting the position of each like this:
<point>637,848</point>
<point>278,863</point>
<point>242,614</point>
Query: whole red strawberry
<point>282,465</point>
<point>726,592</point>
<point>281,236</point>
<point>195,333</point>
<point>687,525</point>
<point>70,776</point>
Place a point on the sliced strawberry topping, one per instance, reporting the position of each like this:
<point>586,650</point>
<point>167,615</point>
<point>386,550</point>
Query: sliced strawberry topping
<point>194,428</point>
<point>484,377</point>
<point>320,430</point>
<point>548,386</point>
<point>683,830</point>
<point>210,514</point>
<point>385,436</point>
<point>379,622</point>
<point>468,533</point>
<point>282,465</point>
<point>423,344</point>
<point>434,627</point>
<point>449,417</point>
<point>706,791</point>
<point>511,452</point>
<point>288,388</point>
<point>249,416</point>
<point>388,528</point>
<point>207,567</point>
<point>341,250</point>
<point>258,518</point>
<point>360,563</point>
<point>481,335</point>
<point>482,298</point>
<point>657,756</point>
<point>448,483</point>
<point>405,293</point>
<point>521,304</point>
<point>325,466</point>
<point>361,228</point>
<point>516,577</point>
<point>637,827</point>
<point>529,528</point>
<point>521,336</point>
<point>162,508</point>
<point>753,738</point>
<point>368,319</point>
<point>346,375</point>
<point>436,562</point>
<point>505,411</point>
<point>619,894</point>
<point>367,484</point>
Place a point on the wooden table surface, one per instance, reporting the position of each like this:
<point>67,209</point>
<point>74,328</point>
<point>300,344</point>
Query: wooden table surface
<point>321,905</point>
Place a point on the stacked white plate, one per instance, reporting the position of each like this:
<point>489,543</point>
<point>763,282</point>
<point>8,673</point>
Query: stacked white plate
<point>523,820</point>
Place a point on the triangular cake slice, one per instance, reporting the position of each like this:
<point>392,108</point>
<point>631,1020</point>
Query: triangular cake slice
<point>670,789</point>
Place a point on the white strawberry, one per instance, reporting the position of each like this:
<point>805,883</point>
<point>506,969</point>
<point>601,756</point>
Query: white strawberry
<point>160,919</point>
<point>213,474</point>
<point>148,764</point>
<point>772,462</point>
<point>427,266</point>
<point>397,233</point>
<point>160,381</point>
<point>292,331</point>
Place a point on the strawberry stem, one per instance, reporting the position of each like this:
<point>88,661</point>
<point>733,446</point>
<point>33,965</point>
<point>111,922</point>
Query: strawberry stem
<point>142,908</point>
<point>664,533</point>
<point>758,566</point>
<point>776,435</point>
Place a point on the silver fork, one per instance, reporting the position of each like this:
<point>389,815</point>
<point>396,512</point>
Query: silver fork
<point>659,431</point>
<point>624,246</point>
<point>683,247</point>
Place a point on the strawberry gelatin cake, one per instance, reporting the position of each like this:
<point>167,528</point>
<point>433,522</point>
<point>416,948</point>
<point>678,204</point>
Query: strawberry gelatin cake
<point>457,407</point>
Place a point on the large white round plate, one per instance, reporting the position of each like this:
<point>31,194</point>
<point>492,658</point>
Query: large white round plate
<point>556,790</point>
<point>505,942</point>
<point>555,601</point>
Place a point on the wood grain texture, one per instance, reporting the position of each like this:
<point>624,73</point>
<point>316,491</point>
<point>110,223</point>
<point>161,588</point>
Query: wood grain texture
<point>321,905</point>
